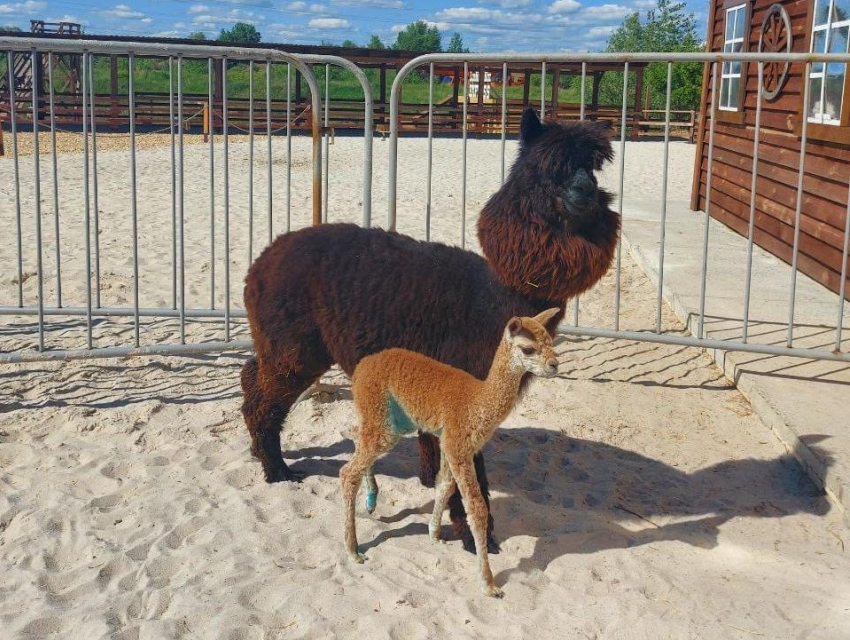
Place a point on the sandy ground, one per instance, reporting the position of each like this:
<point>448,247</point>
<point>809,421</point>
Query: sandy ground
<point>636,496</point>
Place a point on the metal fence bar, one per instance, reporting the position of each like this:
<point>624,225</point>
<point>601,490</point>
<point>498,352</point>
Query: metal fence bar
<point>752,227</point>
<point>430,151</point>
<point>131,99</point>
<point>706,220</point>
<point>580,117</point>
<point>95,189</point>
<point>211,136</point>
<point>622,194</point>
<point>250,161</point>
<point>55,161</point>
<point>543,91</point>
<point>13,125</point>
<point>659,298</point>
<point>35,61</point>
<point>226,200</point>
<point>504,117</point>
<point>269,202</point>
<point>288,149</point>
<point>126,352</point>
<point>182,201</point>
<point>842,287</point>
<point>327,140</point>
<point>463,169</point>
<point>173,183</point>
<point>89,336</point>
<point>798,211</point>
<point>103,312</point>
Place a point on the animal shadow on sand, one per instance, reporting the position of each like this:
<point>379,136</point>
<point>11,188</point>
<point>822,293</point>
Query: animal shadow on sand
<point>578,496</point>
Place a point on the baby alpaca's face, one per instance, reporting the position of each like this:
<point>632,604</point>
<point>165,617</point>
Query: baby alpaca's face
<point>531,348</point>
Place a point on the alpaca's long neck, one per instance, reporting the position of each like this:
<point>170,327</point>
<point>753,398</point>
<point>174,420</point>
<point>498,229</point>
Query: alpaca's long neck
<point>541,256</point>
<point>498,395</point>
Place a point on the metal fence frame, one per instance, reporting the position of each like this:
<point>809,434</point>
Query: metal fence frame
<point>712,59</point>
<point>175,54</point>
<point>302,64</point>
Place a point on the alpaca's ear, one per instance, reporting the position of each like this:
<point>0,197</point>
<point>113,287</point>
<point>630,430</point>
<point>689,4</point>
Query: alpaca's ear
<point>514,326</point>
<point>544,317</point>
<point>530,127</point>
<point>605,125</point>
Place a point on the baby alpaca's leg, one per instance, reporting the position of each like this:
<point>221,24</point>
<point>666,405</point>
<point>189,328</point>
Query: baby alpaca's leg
<point>351,474</point>
<point>445,489</point>
<point>464,473</point>
<point>371,489</point>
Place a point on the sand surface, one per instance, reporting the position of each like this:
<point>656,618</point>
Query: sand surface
<point>635,496</point>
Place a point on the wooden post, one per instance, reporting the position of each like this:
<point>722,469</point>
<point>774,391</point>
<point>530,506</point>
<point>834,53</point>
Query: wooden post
<point>206,121</point>
<point>2,148</point>
<point>556,90</point>
<point>526,89</point>
<point>594,96</point>
<point>297,86</point>
<point>638,104</point>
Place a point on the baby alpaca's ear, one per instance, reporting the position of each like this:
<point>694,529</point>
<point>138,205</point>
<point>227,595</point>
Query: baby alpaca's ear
<point>544,317</point>
<point>514,326</point>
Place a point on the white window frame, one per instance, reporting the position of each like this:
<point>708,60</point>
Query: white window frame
<point>831,24</point>
<point>739,14</point>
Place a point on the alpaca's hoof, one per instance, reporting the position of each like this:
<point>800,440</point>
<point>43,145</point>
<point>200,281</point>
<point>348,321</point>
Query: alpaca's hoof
<point>282,475</point>
<point>357,556</point>
<point>492,590</point>
<point>371,501</point>
<point>436,534</point>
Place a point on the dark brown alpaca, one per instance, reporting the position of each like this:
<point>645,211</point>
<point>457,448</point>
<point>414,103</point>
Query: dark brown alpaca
<point>337,293</point>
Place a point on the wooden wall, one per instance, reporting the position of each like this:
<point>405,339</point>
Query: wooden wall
<point>827,171</point>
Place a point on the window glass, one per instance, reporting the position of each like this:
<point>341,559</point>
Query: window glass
<point>730,82</point>
<point>830,34</point>
<point>821,12</point>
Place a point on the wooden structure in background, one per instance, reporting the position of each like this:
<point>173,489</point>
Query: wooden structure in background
<point>827,158</point>
<point>484,118</point>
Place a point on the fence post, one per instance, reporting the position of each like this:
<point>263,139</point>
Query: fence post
<point>206,121</point>
<point>2,148</point>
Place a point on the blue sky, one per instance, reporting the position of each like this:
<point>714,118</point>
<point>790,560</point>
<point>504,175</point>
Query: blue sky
<point>486,25</point>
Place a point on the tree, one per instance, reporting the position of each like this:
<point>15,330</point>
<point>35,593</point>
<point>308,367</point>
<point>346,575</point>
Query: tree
<point>456,44</point>
<point>418,36</point>
<point>666,28</point>
<point>349,44</point>
<point>10,28</point>
<point>241,32</point>
<point>375,43</point>
<point>197,35</point>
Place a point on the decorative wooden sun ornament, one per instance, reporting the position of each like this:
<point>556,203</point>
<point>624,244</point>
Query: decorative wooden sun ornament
<point>775,37</point>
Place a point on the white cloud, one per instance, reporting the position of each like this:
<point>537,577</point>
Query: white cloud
<point>14,8</point>
<point>604,32</point>
<point>67,18</point>
<point>215,19</point>
<point>479,18</point>
<point>563,6</point>
<point>329,23</point>
<point>382,4</point>
<point>198,8</point>
<point>125,12</point>
<point>507,4</point>
<point>606,12</point>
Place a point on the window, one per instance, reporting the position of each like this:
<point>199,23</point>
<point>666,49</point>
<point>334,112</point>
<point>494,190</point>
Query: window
<point>830,27</point>
<point>730,83</point>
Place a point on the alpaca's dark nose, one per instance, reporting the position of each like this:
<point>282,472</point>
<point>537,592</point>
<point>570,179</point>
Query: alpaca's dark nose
<point>552,365</point>
<point>582,184</point>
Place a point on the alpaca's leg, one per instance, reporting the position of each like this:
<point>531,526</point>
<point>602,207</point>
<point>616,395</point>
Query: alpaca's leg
<point>476,508</point>
<point>445,488</point>
<point>268,396</point>
<point>429,458</point>
<point>371,489</point>
<point>351,475</point>
<point>458,516</point>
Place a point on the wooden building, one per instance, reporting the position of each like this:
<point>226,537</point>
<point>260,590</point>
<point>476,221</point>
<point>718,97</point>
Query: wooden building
<point>800,26</point>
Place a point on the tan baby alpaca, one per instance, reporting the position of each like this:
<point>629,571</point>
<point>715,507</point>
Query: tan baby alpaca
<point>397,392</point>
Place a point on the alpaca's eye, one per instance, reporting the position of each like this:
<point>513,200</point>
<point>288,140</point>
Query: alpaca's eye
<point>527,350</point>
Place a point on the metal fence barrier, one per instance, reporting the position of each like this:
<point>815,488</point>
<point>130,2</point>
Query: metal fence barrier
<point>712,59</point>
<point>177,56</point>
